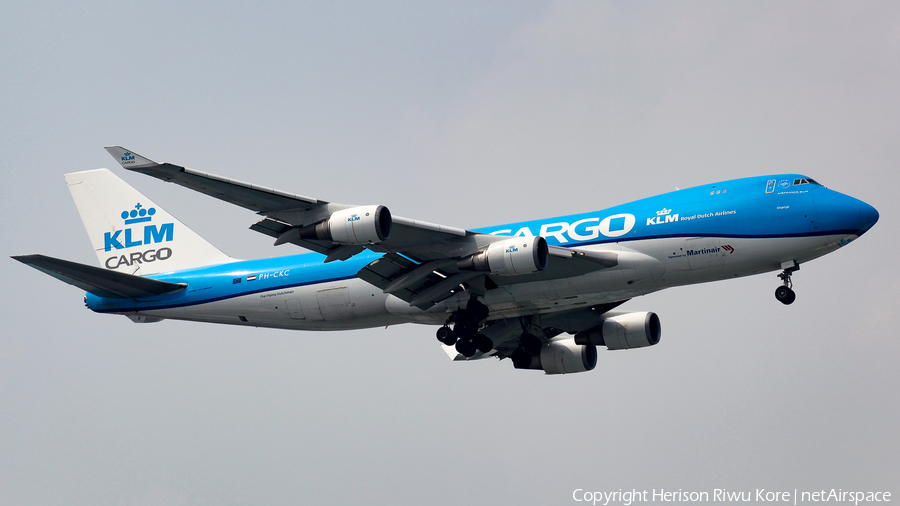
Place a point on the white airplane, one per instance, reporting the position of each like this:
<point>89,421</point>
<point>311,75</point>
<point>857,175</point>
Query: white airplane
<point>541,293</point>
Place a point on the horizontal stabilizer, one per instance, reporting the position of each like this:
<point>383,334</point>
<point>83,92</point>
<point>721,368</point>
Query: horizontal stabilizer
<point>100,282</point>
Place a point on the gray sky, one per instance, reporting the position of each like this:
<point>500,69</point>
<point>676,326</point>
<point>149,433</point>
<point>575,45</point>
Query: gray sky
<point>469,115</point>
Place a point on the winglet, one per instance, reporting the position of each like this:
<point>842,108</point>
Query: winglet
<point>129,159</point>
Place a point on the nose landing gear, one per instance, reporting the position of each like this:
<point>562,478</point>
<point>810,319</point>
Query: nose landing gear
<point>784,293</point>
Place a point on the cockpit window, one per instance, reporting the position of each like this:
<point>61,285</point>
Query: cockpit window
<point>805,181</point>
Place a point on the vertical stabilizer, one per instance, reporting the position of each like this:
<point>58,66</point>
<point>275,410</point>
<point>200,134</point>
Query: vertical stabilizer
<point>130,233</point>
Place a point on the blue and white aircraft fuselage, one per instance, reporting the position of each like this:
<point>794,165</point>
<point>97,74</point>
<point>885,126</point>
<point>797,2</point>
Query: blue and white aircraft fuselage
<point>519,291</point>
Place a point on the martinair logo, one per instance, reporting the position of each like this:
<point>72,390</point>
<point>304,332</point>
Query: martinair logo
<point>127,158</point>
<point>664,215</point>
<point>131,237</point>
<point>709,251</point>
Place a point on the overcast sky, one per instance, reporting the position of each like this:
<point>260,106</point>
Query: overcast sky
<point>467,114</point>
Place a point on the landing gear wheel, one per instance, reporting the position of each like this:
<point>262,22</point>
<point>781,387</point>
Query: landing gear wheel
<point>483,343</point>
<point>785,295</point>
<point>466,348</point>
<point>465,326</point>
<point>521,359</point>
<point>446,336</point>
<point>531,344</point>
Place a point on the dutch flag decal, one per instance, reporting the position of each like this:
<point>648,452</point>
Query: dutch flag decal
<point>251,278</point>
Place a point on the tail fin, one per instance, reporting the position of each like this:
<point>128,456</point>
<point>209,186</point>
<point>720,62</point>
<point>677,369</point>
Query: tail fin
<point>130,233</point>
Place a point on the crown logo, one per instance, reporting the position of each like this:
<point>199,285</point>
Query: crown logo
<point>663,212</point>
<point>138,215</point>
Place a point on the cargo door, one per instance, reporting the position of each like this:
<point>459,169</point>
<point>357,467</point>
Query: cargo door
<point>334,303</point>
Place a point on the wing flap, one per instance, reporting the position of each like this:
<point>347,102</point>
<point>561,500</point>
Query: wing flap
<point>101,282</point>
<point>382,272</point>
<point>441,290</point>
<point>420,284</point>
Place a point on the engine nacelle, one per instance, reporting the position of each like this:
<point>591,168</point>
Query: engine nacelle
<point>354,226</point>
<point>563,356</point>
<point>624,331</point>
<point>512,257</point>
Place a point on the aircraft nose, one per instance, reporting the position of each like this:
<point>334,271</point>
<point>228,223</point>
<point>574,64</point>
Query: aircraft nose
<point>868,215</point>
<point>844,214</point>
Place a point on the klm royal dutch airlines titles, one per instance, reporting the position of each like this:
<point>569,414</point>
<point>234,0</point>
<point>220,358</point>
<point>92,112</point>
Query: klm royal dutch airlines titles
<point>544,294</point>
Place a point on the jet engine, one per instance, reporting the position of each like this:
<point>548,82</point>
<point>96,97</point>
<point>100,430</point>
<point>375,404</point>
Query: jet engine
<point>512,257</point>
<point>623,331</point>
<point>563,356</point>
<point>354,226</point>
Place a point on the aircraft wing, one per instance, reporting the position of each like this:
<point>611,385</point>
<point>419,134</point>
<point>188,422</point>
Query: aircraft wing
<point>420,264</point>
<point>285,211</point>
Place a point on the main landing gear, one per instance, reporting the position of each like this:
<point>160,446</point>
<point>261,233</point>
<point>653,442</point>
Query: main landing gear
<point>529,346</point>
<point>529,343</point>
<point>464,333</point>
<point>784,293</point>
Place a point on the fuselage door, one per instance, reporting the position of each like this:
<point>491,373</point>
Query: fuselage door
<point>334,303</point>
<point>295,309</point>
